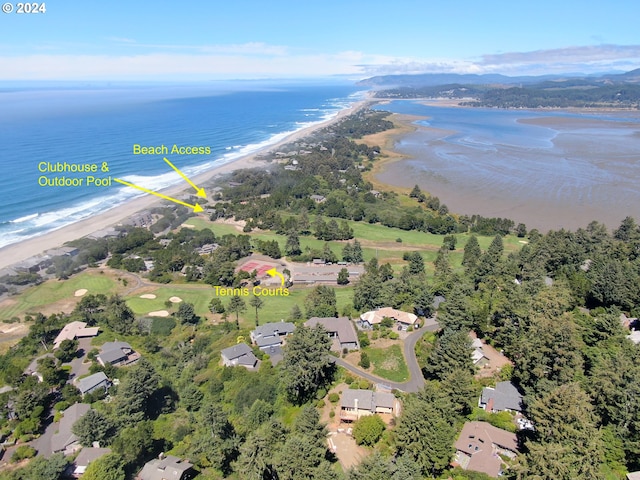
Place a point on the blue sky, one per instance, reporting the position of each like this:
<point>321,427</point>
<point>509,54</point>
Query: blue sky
<point>202,40</point>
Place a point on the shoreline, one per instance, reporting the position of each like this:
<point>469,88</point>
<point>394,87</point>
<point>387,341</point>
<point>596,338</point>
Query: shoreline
<point>18,252</point>
<point>411,158</point>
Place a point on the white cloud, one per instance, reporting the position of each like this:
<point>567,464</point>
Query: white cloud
<point>260,60</point>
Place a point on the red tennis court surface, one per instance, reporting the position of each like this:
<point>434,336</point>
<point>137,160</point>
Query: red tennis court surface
<point>260,267</point>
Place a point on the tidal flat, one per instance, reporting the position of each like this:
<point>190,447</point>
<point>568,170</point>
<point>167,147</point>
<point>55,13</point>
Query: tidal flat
<point>548,169</point>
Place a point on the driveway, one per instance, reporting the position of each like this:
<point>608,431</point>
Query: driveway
<point>416,380</point>
<point>78,365</point>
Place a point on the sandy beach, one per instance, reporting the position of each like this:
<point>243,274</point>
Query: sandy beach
<point>15,253</point>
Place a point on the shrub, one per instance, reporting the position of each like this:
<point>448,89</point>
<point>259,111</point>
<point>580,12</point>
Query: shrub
<point>399,240</point>
<point>348,380</point>
<point>368,430</point>
<point>320,403</point>
<point>394,336</point>
<point>22,452</point>
<point>364,360</point>
<point>334,397</point>
<point>332,414</point>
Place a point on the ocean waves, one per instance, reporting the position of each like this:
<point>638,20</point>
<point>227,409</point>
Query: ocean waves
<point>221,121</point>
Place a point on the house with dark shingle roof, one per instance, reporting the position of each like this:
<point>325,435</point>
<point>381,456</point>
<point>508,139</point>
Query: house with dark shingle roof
<point>93,382</point>
<point>85,457</point>
<point>505,396</point>
<point>117,354</point>
<point>340,331</point>
<point>480,446</point>
<point>271,334</point>
<point>167,468</point>
<point>355,404</point>
<point>64,440</point>
<point>239,355</point>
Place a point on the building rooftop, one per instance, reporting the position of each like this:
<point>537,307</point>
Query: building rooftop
<point>505,396</point>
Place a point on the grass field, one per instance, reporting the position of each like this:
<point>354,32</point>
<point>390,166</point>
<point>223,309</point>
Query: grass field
<point>389,363</point>
<point>54,291</point>
<point>379,241</point>
<point>273,310</point>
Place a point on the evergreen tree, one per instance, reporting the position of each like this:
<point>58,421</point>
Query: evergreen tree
<point>472,254</point>
<point>452,352</point>
<point>94,427</point>
<point>343,276</point>
<point>321,302</point>
<point>135,391</point>
<point>108,467</point>
<point>292,247</point>
<point>237,305</point>
<point>357,255</point>
<point>306,365</point>
<point>257,303</point>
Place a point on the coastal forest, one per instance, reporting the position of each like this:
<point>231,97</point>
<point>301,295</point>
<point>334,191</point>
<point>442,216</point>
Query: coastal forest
<point>558,305</point>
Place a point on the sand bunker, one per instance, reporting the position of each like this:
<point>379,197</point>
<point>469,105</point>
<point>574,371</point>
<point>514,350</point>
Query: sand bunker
<point>150,296</point>
<point>80,292</point>
<point>159,313</point>
<point>175,299</point>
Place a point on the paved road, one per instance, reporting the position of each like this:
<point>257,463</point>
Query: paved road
<point>416,380</point>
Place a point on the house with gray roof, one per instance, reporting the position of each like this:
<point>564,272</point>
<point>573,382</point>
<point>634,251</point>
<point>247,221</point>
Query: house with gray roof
<point>167,468</point>
<point>85,457</point>
<point>359,403</point>
<point>93,382</point>
<point>64,440</point>
<point>117,354</point>
<point>340,330</point>
<point>505,396</point>
<point>480,447</point>
<point>239,355</point>
<point>271,334</point>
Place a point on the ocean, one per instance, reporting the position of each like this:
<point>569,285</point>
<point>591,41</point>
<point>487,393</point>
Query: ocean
<point>90,124</point>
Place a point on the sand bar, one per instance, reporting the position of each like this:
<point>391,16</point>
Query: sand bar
<point>586,171</point>
<point>15,253</point>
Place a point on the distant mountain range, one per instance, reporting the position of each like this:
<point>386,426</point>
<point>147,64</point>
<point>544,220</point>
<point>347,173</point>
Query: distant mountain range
<point>494,90</point>
<point>435,79</point>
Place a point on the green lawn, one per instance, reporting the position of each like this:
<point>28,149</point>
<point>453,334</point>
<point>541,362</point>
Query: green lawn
<point>274,309</point>
<point>52,291</point>
<point>389,363</point>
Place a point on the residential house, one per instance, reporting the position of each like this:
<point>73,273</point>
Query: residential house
<point>271,334</point>
<point>478,356</point>
<point>480,446</point>
<point>167,468</point>
<point>64,440</point>
<point>118,354</point>
<point>633,475</point>
<point>239,355</point>
<point>85,457</point>
<point>318,198</point>
<point>93,383</point>
<point>340,330</point>
<point>74,330</point>
<point>374,317</point>
<point>359,403</point>
<point>505,396</point>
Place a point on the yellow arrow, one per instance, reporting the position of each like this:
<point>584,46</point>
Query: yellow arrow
<point>196,208</point>
<point>200,191</point>
<point>274,273</point>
